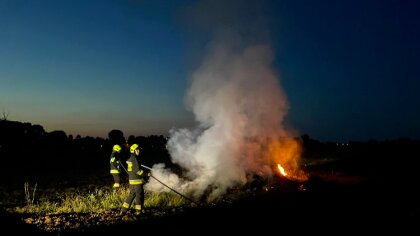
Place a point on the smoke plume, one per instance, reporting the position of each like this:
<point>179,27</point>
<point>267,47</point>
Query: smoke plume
<point>239,106</point>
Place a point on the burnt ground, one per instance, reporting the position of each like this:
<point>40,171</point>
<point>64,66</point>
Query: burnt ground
<point>322,204</point>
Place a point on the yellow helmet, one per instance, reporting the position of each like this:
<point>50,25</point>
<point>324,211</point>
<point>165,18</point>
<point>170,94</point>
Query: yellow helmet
<point>134,147</point>
<point>116,148</point>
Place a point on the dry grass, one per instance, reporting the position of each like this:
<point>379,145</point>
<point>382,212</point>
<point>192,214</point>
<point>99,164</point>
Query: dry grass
<point>99,200</point>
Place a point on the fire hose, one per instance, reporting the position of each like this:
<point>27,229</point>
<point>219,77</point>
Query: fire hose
<point>150,174</point>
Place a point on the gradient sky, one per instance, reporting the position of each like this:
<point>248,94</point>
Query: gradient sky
<point>350,69</point>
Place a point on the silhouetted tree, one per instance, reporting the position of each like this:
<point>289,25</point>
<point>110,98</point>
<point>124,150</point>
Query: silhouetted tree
<point>116,136</point>
<point>131,139</point>
<point>4,115</point>
<point>56,141</point>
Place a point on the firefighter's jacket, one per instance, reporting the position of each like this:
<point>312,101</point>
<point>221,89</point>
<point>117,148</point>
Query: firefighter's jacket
<point>115,162</point>
<point>135,174</point>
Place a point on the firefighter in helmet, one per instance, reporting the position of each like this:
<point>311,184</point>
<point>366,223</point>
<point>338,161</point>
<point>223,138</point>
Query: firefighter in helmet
<point>115,162</point>
<point>136,182</point>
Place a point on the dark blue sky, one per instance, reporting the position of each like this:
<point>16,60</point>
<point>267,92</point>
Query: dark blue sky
<point>349,68</point>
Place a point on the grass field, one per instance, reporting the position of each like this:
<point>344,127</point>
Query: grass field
<point>331,201</point>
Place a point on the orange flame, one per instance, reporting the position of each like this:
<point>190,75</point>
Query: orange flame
<point>287,151</point>
<point>281,169</point>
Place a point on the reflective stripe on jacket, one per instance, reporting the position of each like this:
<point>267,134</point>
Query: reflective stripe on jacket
<point>114,162</point>
<point>135,174</point>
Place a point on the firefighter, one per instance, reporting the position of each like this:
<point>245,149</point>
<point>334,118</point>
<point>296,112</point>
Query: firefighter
<point>136,182</point>
<point>115,165</point>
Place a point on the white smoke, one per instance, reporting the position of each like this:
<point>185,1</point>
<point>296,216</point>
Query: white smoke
<point>237,101</point>
<point>239,106</point>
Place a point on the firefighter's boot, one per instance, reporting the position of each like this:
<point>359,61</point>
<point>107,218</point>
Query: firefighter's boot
<point>124,208</point>
<point>138,209</point>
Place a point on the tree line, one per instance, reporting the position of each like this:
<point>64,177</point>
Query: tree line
<point>28,150</point>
